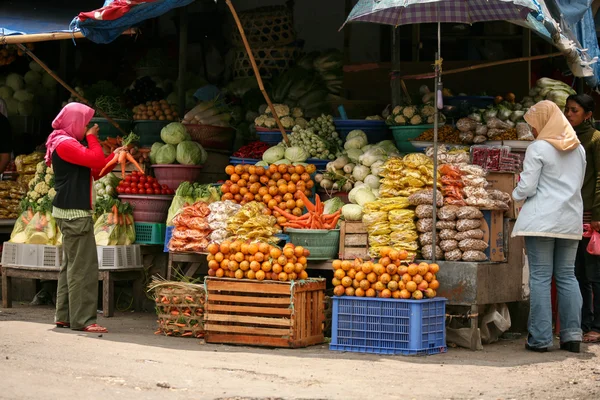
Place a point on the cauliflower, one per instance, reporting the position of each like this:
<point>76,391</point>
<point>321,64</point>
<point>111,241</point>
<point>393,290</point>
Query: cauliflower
<point>416,120</point>
<point>431,119</point>
<point>49,179</point>
<point>427,111</point>
<point>32,183</point>
<point>409,111</point>
<point>260,120</point>
<point>397,110</point>
<point>50,170</point>
<point>270,122</point>
<point>281,109</point>
<point>287,122</point>
<point>33,196</point>
<point>297,112</point>
<point>40,168</point>
<point>399,120</point>
<point>51,193</point>
<point>301,122</point>
<point>41,188</point>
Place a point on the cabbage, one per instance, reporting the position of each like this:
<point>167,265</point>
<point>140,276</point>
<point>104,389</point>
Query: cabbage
<point>25,108</point>
<point>372,156</point>
<point>13,106</point>
<point>372,181</point>
<point>284,161</point>
<point>363,196</point>
<point>355,143</point>
<point>153,150</point>
<point>352,193</point>
<point>367,147</point>
<point>166,154</point>
<point>262,164</point>
<point>360,172</point>
<point>23,95</point>
<point>354,154</point>
<point>274,154</point>
<point>6,92</point>
<point>377,168</point>
<point>352,212</point>
<point>174,133</point>
<point>332,205</point>
<point>388,145</point>
<point>190,153</point>
<point>48,82</point>
<point>35,67</point>
<point>32,78</point>
<point>15,81</point>
<point>296,154</point>
<point>357,133</point>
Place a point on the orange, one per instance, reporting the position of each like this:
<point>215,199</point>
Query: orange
<point>289,268</point>
<point>417,279</point>
<point>401,285</point>
<point>378,269</point>
<point>260,275</point>
<point>230,170</point>
<point>255,266</point>
<point>360,276</point>
<point>385,278</point>
<point>346,281</point>
<point>225,264</point>
<point>212,272</point>
<point>266,266</point>
<point>397,294</point>
<point>423,268</point>
<point>403,255</point>
<point>355,284</point>
<point>233,266</point>
<point>411,286</point>
<point>252,248</point>
<point>396,278</point>
<point>391,269</point>
<point>260,257</point>
<point>350,291</point>
<point>264,247</point>
<point>293,276</point>
<point>406,278</point>
<point>385,251</point>
<point>423,286</point>
<point>430,293</point>
<point>250,274</point>
<point>372,277</point>
<point>302,260</point>
<point>428,277</point>
<point>336,282</point>
<point>379,286</point>
<point>359,292</point>
<point>244,248</point>
<point>298,268</point>
<point>351,273</point>
<point>219,257</point>
<point>434,268</point>
<point>220,273</point>
<point>225,247</point>
<point>434,284</point>
<point>402,269</point>
<point>277,268</point>
<point>282,168</point>
<point>404,294</point>
<point>417,295</point>
<point>386,293</point>
<point>413,269</point>
<point>367,267</point>
<point>299,169</point>
<point>245,265</point>
<point>288,252</point>
<point>282,260</point>
<point>282,276</point>
<point>212,264</point>
<point>239,274</point>
<point>311,168</point>
<point>275,252</point>
<point>336,264</point>
<point>346,265</point>
<point>260,171</point>
<point>239,257</point>
<point>299,251</point>
<point>364,284</point>
<point>393,286</point>
<point>303,275</point>
<point>385,261</point>
<point>370,293</point>
<point>339,290</point>
<point>394,254</point>
<point>213,248</point>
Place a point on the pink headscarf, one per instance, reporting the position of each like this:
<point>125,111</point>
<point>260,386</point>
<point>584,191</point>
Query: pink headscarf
<point>70,124</point>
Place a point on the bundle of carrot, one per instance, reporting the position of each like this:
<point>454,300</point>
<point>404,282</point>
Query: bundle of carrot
<point>122,155</point>
<point>314,218</point>
<point>113,223</point>
<point>140,154</point>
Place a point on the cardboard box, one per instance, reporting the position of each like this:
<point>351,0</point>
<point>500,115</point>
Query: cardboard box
<point>492,225</point>
<point>505,182</point>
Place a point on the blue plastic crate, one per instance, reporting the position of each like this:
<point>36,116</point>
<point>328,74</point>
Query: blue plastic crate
<point>320,164</point>
<point>388,326</point>
<point>271,137</point>
<point>168,235</point>
<point>240,160</point>
<point>376,131</point>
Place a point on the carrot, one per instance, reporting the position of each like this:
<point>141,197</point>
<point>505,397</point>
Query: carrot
<point>24,219</point>
<point>294,225</point>
<point>318,204</point>
<point>121,222</point>
<point>29,214</point>
<point>180,325</point>
<point>174,312</point>
<point>187,334</point>
<point>285,213</point>
<point>309,206</point>
<point>130,158</point>
<point>110,164</point>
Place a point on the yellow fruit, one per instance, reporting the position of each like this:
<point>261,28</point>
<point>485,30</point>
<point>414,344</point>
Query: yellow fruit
<point>239,274</point>
<point>336,264</point>
<point>417,295</point>
<point>391,269</point>
<point>397,294</point>
<point>430,293</point>
<point>336,282</point>
<point>283,277</point>
<point>411,286</point>
<point>355,283</point>
<point>434,268</point>
<point>413,269</point>
<point>404,294</point>
<point>260,275</point>
<point>351,273</point>
<point>349,291</point>
<point>385,278</point>
<point>386,293</point>
<point>339,290</point>
<point>423,268</point>
<point>406,278</point>
<point>372,277</point>
<point>379,269</point>
<point>346,265</point>
<point>370,293</point>
<point>360,276</point>
<point>346,281</point>
<point>359,292</point>
<point>339,274</point>
<point>422,286</point>
<point>251,274</point>
<point>417,279</point>
<point>365,284</point>
<point>367,267</point>
<point>379,286</point>
<point>434,284</point>
<point>393,286</point>
<point>303,275</point>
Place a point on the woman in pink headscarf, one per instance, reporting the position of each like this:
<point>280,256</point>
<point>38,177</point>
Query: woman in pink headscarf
<point>75,168</point>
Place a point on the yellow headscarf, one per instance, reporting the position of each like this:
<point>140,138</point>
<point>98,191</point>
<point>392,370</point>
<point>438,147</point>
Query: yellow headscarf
<point>552,126</point>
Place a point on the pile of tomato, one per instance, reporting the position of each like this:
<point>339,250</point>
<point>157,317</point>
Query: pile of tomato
<point>137,183</point>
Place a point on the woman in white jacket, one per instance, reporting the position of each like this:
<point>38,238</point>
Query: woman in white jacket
<point>551,223</point>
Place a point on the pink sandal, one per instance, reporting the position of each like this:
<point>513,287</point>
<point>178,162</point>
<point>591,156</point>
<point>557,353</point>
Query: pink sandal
<point>62,324</point>
<point>95,328</point>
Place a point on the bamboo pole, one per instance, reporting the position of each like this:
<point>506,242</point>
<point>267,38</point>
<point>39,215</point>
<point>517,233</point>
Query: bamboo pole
<point>45,37</point>
<point>430,75</point>
<point>71,90</point>
<point>256,71</point>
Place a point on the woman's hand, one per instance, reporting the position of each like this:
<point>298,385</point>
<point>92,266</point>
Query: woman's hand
<point>93,130</point>
<point>596,226</point>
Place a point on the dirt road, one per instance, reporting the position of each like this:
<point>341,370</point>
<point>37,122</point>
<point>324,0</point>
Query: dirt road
<point>38,361</point>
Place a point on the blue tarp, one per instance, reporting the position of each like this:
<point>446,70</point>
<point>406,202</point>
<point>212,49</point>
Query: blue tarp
<point>47,16</point>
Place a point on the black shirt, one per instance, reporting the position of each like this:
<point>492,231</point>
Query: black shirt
<point>6,145</point>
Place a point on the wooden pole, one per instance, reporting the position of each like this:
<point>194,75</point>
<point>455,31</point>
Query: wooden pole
<point>183,41</point>
<point>45,37</point>
<point>256,71</point>
<point>71,90</point>
<point>431,75</point>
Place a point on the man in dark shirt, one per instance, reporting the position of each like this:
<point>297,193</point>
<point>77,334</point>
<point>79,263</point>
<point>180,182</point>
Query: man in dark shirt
<point>5,137</point>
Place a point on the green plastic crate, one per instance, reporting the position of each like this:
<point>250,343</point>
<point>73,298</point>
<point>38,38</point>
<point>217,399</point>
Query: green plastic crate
<point>323,244</point>
<point>108,130</point>
<point>150,233</point>
<point>149,131</point>
<point>404,134</point>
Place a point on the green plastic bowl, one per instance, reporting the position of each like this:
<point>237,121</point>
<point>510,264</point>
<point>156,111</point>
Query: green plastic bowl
<point>108,130</point>
<point>149,131</point>
<point>323,244</point>
<point>404,134</point>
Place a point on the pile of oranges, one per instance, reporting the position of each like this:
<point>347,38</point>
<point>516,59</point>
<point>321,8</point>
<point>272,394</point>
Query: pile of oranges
<point>391,277</point>
<point>274,186</point>
<point>257,260</point>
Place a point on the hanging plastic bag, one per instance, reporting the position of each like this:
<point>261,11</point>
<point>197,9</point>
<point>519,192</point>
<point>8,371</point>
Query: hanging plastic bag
<point>41,229</point>
<point>18,233</point>
<point>594,246</point>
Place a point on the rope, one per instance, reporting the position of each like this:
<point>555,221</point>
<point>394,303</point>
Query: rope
<point>292,286</point>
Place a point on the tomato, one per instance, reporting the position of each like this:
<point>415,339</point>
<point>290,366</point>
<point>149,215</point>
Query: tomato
<point>140,186</point>
<point>142,179</point>
<point>149,191</point>
<point>127,179</point>
<point>133,185</point>
<point>127,190</point>
<point>134,191</point>
<point>156,191</point>
<point>165,187</point>
<point>151,179</point>
<point>134,173</point>
<point>171,192</point>
<point>163,191</point>
<point>119,189</point>
<point>147,185</point>
<point>155,186</point>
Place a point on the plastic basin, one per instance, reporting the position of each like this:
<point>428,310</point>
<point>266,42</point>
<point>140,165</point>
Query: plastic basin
<point>149,131</point>
<point>376,131</point>
<point>173,175</point>
<point>404,134</point>
<point>149,208</point>
<point>108,130</point>
<point>323,244</point>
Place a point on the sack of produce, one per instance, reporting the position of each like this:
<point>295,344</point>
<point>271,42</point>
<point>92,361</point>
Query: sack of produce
<point>424,211</point>
<point>474,256</point>
<point>445,225</point>
<point>426,197</point>
<point>453,255</point>
<point>448,245</point>
<point>41,229</point>
<point>250,223</point>
<point>499,195</point>
<point>467,224</point>
<point>468,213</point>
<point>447,213</point>
<point>426,238</point>
<point>400,236</point>
<point>192,230</point>
<point>471,234</point>
<point>466,125</point>
<point>425,225</point>
<point>474,170</point>
<point>472,244</point>
<point>401,216</point>
<point>113,224</point>
<point>476,191</point>
<point>447,234</point>
<point>427,252</point>
<point>524,132</point>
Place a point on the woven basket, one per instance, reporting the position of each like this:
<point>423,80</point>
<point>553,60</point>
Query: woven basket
<point>212,137</point>
<point>266,26</point>
<point>271,61</point>
<point>180,309</point>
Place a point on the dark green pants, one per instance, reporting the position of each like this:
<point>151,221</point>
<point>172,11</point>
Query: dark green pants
<point>77,293</point>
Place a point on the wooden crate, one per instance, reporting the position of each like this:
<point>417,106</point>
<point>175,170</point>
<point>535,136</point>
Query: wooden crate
<point>354,240</point>
<point>265,313</point>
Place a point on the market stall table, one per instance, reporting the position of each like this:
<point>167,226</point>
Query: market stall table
<point>7,225</point>
<point>106,276</point>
